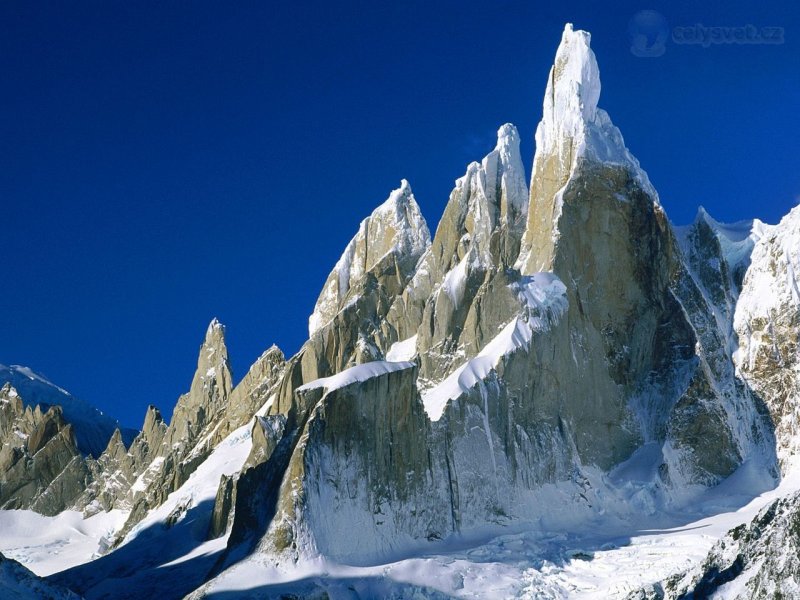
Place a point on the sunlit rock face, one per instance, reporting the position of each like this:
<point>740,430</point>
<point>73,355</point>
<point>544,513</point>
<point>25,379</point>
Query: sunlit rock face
<point>41,467</point>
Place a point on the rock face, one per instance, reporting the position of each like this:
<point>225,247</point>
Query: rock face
<point>357,464</point>
<point>572,130</point>
<point>460,295</point>
<point>164,457</point>
<point>42,468</point>
<point>40,465</point>
<point>553,343</point>
<point>389,243</point>
<point>209,393</point>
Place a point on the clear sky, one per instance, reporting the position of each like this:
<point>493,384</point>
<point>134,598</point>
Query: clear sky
<point>163,163</point>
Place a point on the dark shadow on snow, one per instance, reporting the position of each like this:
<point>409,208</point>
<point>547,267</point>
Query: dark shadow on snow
<point>134,570</point>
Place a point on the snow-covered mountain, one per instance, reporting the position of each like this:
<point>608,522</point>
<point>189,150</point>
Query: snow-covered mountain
<point>92,427</point>
<point>558,394</point>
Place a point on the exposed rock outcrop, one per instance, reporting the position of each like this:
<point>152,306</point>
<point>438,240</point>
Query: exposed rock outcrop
<point>460,294</point>
<point>40,465</point>
<point>546,342</point>
<point>754,561</point>
<point>92,428</point>
<point>621,349</point>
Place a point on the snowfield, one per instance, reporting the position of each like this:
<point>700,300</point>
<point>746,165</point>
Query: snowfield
<point>606,559</point>
<point>47,545</point>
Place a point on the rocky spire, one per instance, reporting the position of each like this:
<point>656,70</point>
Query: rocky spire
<point>572,130</point>
<point>478,238</point>
<point>488,204</point>
<point>570,100</point>
<point>395,228</point>
<point>153,427</point>
<point>41,467</point>
<point>211,387</point>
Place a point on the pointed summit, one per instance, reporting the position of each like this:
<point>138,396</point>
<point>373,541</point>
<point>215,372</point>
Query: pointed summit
<point>487,209</point>
<point>395,230</point>
<point>477,240</point>
<point>213,352</point>
<point>573,89</point>
<point>572,126</point>
<point>504,171</point>
<point>573,130</point>
<point>211,386</point>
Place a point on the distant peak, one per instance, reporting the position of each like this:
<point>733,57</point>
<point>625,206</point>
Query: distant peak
<point>703,216</point>
<point>8,390</point>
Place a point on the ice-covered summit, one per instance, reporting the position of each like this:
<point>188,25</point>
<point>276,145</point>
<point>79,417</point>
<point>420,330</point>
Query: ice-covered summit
<point>504,169</point>
<point>490,196</point>
<point>572,125</point>
<point>573,89</point>
<point>396,228</point>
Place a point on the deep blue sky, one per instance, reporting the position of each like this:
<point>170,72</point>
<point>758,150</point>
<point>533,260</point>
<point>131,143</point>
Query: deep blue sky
<point>167,162</point>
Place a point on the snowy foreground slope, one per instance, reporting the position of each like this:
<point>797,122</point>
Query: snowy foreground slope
<point>601,559</point>
<point>558,394</point>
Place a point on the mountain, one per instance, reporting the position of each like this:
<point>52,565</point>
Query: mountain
<point>93,429</point>
<point>554,387</point>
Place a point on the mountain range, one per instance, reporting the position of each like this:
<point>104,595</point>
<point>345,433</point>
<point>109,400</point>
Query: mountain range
<point>558,393</point>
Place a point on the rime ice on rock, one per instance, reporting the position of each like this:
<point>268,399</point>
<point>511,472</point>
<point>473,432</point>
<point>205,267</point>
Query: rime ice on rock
<point>395,227</point>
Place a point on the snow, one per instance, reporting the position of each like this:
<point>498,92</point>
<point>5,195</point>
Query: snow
<point>143,480</point>
<point>780,245</point>
<point>47,545</point>
<point>33,376</point>
<point>169,549</point>
<point>18,583</point>
<point>543,298</point>
<point>262,412</point>
<point>737,240</point>
<point>604,558</point>
<point>455,281</point>
<point>517,334</point>
<point>356,374</point>
<point>492,194</point>
<point>506,160</point>
<point>226,459</point>
<point>402,351</point>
